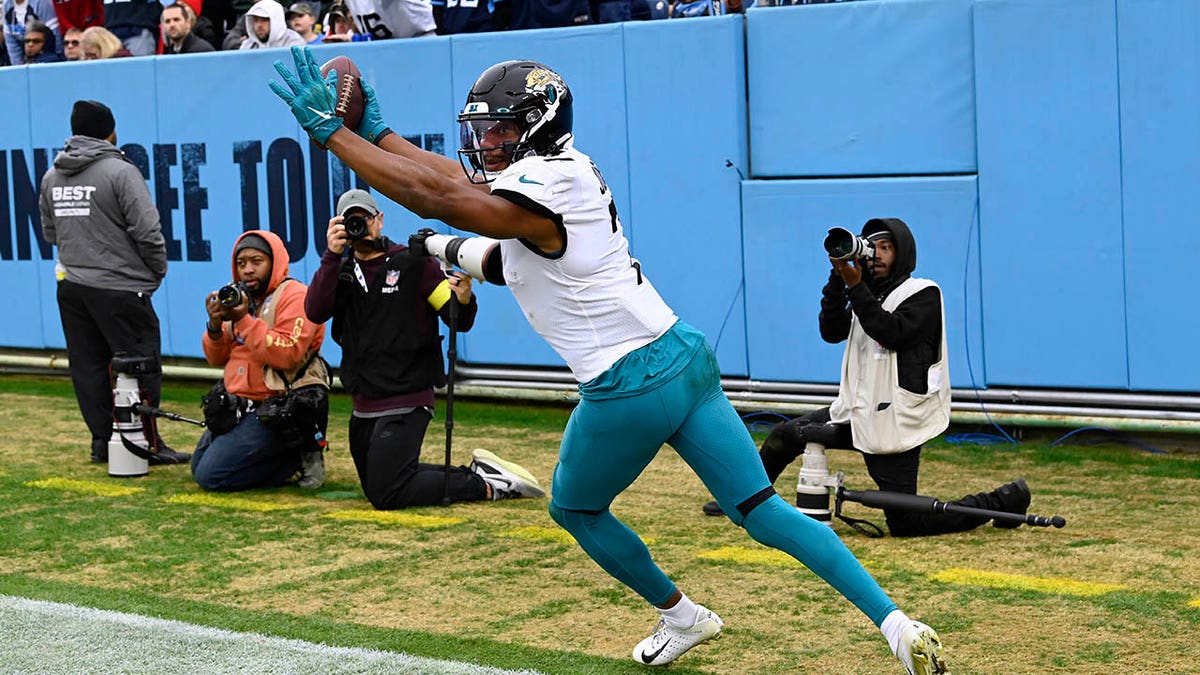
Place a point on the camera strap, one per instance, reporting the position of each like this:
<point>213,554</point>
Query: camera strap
<point>861,526</point>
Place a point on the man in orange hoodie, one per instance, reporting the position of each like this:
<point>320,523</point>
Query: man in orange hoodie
<point>267,347</point>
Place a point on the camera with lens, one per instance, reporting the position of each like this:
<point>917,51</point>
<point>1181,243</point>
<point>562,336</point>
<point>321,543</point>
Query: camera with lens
<point>356,226</point>
<point>232,294</point>
<point>842,244</point>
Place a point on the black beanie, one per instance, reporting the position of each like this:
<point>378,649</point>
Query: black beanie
<point>92,118</point>
<point>254,241</point>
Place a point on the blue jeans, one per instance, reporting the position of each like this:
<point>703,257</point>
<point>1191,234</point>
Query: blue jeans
<point>248,456</point>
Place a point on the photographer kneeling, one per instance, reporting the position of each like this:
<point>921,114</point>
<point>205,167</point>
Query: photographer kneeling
<point>894,393</point>
<point>385,303</point>
<point>267,417</point>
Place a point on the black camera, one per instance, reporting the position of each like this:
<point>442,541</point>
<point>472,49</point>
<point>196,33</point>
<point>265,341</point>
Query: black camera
<point>232,294</point>
<point>842,244</point>
<point>128,364</point>
<point>356,226</point>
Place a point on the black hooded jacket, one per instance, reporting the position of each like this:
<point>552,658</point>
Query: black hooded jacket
<point>913,330</point>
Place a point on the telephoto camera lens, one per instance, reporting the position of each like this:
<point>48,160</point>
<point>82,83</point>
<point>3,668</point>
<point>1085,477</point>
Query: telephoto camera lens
<point>356,227</point>
<point>230,296</point>
<point>842,244</point>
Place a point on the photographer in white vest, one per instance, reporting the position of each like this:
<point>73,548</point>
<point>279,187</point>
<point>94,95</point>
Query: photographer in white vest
<point>894,392</point>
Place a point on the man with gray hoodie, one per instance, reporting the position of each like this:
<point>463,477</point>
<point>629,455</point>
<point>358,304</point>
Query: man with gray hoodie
<point>96,209</point>
<point>267,27</point>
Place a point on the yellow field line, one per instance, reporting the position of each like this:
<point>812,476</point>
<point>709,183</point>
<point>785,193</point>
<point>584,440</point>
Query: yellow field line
<point>753,556</point>
<point>965,577</point>
<point>85,486</point>
<point>235,503</point>
<point>1195,602</point>
<point>395,518</point>
<point>554,534</point>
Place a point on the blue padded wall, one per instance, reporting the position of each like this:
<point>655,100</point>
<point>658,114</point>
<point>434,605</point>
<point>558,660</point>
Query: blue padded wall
<point>784,224</point>
<point>1050,192</point>
<point>33,322</point>
<point>1160,148</point>
<point>861,88</point>
<point>685,124</point>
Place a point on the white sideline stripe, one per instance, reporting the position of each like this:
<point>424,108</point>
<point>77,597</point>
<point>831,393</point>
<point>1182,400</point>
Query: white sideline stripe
<point>50,638</point>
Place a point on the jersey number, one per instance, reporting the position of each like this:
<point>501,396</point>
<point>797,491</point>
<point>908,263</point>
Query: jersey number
<point>373,24</point>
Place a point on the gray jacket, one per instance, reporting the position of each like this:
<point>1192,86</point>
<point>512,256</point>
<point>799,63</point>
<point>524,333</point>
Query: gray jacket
<point>96,208</point>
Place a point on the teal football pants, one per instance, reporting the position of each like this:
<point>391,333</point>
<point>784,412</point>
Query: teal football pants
<point>609,442</point>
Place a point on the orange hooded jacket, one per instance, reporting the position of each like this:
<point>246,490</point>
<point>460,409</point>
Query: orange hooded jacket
<point>247,345</point>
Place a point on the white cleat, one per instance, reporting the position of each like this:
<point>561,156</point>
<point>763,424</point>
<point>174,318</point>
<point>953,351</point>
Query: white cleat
<point>668,644</point>
<point>509,480</point>
<point>921,650</point>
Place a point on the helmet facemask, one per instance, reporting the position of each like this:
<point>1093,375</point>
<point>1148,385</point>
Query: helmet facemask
<point>488,145</point>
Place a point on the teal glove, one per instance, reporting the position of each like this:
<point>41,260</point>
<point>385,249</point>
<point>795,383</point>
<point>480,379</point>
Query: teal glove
<point>372,126</point>
<point>309,95</point>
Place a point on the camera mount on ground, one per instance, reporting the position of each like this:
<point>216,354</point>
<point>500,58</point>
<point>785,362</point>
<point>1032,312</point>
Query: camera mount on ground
<point>816,487</point>
<point>134,435</point>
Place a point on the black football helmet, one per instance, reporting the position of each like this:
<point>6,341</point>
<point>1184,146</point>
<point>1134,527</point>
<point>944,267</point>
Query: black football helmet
<point>515,109</point>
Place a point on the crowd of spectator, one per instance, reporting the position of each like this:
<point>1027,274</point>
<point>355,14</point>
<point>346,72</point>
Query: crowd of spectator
<point>47,31</point>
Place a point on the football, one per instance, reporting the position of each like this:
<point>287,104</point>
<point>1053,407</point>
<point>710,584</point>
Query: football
<point>350,101</point>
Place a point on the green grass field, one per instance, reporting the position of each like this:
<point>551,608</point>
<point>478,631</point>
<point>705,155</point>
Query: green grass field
<point>498,584</point>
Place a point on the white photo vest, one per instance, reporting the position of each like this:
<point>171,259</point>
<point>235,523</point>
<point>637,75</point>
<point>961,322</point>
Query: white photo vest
<point>870,381</point>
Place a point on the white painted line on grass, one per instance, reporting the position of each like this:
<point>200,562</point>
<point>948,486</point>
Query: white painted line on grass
<point>49,638</point>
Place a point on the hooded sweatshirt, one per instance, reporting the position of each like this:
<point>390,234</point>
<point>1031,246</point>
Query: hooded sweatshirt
<point>280,35</point>
<point>96,208</point>
<point>247,347</point>
<point>895,385</point>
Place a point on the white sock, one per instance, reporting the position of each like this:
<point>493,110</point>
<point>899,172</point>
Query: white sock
<point>682,615</point>
<point>893,626</point>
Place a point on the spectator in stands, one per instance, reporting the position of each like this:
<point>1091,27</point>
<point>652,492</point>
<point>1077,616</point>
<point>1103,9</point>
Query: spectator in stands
<point>266,27</point>
<point>39,44</point>
<point>177,21</point>
<point>202,25</point>
<point>686,9</point>
<point>100,43</point>
<point>612,11</point>
<point>524,14</point>
<point>303,19</point>
<point>453,17</point>
<point>18,15</point>
<point>73,44</point>
<point>81,14</point>
<point>387,19</point>
<point>135,23</point>
<point>339,27</point>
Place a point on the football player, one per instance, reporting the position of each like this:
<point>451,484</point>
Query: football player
<point>645,377</point>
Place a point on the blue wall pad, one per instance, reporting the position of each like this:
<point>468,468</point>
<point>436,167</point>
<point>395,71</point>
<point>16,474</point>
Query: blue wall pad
<point>32,320</point>
<point>685,126</point>
<point>1160,148</point>
<point>1050,193</point>
<point>784,224</point>
<point>861,88</point>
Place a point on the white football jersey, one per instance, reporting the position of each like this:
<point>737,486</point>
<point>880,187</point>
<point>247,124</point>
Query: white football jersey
<point>386,19</point>
<point>592,303</point>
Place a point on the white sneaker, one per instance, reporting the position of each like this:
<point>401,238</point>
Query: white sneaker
<point>921,650</point>
<point>508,479</point>
<point>668,644</point>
